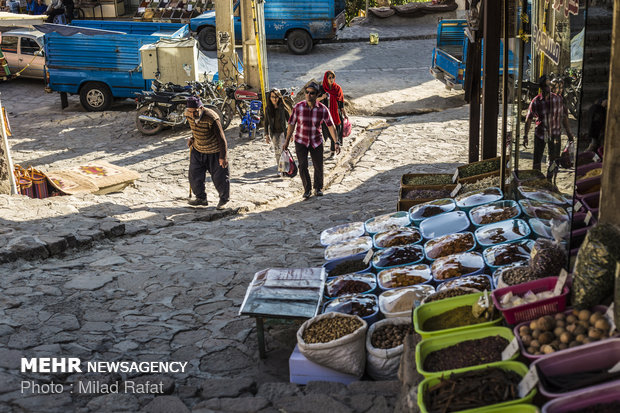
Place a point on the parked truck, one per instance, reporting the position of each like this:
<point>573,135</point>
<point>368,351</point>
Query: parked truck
<point>297,23</point>
<point>450,54</point>
<point>100,60</point>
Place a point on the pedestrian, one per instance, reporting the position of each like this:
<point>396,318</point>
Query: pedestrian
<point>306,120</point>
<point>597,116</point>
<point>208,153</point>
<point>54,9</point>
<point>551,114</point>
<point>13,6</point>
<point>331,95</point>
<point>276,118</point>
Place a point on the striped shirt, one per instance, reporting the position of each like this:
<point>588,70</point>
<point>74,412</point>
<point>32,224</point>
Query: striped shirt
<point>207,133</point>
<point>549,114</point>
<point>308,122</point>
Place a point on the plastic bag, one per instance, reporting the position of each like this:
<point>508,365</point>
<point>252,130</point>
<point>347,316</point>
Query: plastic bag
<point>567,156</point>
<point>405,276</point>
<point>593,276</point>
<point>547,258</point>
<point>287,164</point>
<point>397,237</point>
<point>382,364</point>
<point>358,283</point>
<point>395,256</point>
<point>449,244</point>
<point>400,302</point>
<point>456,265</point>
<point>346,354</point>
<point>346,127</point>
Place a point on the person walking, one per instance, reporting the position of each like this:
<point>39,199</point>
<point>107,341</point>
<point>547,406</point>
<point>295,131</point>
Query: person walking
<point>306,120</point>
<point>55,8</point>
<point>331,95</point>
<point>208,153</point>
<point>551,114</point>
<point>276,118</point>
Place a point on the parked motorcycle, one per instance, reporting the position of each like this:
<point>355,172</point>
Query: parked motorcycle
<point>158,109</point>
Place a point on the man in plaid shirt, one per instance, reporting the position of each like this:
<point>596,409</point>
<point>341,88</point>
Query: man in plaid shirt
<point>551,114</point>
<point>308,116</point>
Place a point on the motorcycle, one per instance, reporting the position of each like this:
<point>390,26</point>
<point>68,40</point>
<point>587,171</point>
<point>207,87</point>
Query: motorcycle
<point>164,106</point>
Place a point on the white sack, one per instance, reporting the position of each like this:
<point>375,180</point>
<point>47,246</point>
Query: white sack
<point>382,364</point>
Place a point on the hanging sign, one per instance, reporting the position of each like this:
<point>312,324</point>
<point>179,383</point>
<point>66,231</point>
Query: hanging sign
<point>546,44</point>
<point>569,6</point>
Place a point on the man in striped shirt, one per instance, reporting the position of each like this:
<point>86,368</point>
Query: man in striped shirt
<point>208,153</point>
<point>305,121</point>
<point>551,114</point>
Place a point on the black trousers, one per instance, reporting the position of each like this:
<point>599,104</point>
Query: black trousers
<point>328,136</point>
<point>317,162</point>
<point>554,147</point>
<point>53,13</point>
<point>199,165</point>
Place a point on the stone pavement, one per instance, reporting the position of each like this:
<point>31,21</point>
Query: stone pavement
<point>157,280</point>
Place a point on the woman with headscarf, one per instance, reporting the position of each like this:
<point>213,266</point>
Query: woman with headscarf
<point>276,121</point>
<point>332,91</point>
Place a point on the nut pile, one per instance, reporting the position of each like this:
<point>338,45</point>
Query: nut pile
<point>330,329</point>
<point>390,336</point>
<point>549,334</point>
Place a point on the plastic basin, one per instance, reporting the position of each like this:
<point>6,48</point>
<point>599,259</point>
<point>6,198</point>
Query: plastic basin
<point>405,233</point>
<point>330,265</point>
<point>428,245</point>
<point>586,397</point>
<point>416,250</point>
<point>462,281</point>
<point>448,223</point>
<point>598,355</point>
<point>342,233</point>
<point>502,232</point>
<point>490,253</point>
<point>348,248</point>
<point>426,347</point>
<point>466,259</point>
<point>541,195</point>
<point>588,186</point>
<point>342,305</point>
<point>414,294</point>
<point>418,270</point>
<point>475,214</point>
<point>416,211</point>
<point>383,222</point>
<point>366,277</point>
<point>542,210</point>
<point>472,199</point>
<point>428,310</point>
<point>515,366</point>
<point>591,202</point>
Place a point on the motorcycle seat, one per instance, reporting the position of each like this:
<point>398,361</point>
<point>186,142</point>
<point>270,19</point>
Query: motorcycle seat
<point>245,95</point>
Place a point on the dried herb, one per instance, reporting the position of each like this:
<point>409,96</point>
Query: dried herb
<point>466,353</point>
<point>426,193</point>
<point>472,389</point>
<point>428,179</point>
<point>347,267</point>
<point>457,317</point>
<point>479,168</point>
<point>487,182</point>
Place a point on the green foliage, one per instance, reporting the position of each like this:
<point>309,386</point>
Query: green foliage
<point>354,6</point>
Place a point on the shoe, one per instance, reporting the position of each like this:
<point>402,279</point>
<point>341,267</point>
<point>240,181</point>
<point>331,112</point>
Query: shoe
<point>198,202</point>
<point>319,193</point>
<point>307,195</point>
<point>331,154</point>
<point>221,204</point>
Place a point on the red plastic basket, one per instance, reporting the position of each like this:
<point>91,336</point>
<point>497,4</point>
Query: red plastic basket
<point>533,310</point>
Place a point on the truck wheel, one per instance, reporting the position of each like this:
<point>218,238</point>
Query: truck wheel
<point>299,42</point>
<point>95,97</point>
<point>206,38</point>
<point>146,127</point>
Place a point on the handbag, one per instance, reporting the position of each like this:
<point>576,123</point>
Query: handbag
<point>346,127</point>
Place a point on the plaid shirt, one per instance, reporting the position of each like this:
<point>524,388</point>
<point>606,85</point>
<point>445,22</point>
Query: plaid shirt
<point>548,113</point>
<point>308,122</point>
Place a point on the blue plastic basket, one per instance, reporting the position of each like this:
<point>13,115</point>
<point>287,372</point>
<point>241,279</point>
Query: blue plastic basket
<point>505,226</point>
<point>506,203</point>
<point>366,277</point>
<point>423,271</point>
<point>352,230</point>
<point>479,262</point>
<point>491,283</point>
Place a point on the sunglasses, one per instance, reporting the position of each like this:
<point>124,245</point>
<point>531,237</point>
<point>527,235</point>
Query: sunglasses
<point>311,93</point>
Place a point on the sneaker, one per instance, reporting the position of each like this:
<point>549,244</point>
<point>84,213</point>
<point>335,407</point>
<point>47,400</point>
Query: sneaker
<point>198,202</point>
<point>307,195</point>
<point>221,204</point>
<point>319,193</point>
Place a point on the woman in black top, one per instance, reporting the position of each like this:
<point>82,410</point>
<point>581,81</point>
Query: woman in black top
<point>276,119</point>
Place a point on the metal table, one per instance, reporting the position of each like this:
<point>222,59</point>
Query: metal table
<point>284,293</point>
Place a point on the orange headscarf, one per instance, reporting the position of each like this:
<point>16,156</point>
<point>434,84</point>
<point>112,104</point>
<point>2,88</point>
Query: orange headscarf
<point>335,96</point>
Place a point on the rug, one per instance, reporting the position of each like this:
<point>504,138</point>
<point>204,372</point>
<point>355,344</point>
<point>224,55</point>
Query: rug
<point>96,177</point>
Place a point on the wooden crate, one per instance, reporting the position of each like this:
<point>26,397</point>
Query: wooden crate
<point>476,178</point>
<point>405,176</point>
<point>460,168</point>
<point>405,204</point>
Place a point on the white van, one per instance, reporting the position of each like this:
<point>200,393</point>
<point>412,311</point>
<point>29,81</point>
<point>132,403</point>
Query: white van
<point>23,50</point>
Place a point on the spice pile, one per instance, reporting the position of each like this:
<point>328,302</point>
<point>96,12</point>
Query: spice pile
<point>457,317</point>
<point>466,353</point>
<point>329,329</point>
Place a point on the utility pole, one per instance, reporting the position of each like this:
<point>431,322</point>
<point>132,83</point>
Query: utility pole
<point>490,85</point>
<point>225,37</point>
<point>250,58</point>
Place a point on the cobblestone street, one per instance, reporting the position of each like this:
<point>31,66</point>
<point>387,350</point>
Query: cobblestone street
<point>139,275</point>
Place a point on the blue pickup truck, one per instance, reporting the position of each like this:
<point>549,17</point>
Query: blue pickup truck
<point>100,60</point>
<point>450,53</point>
<point>298,23</point>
